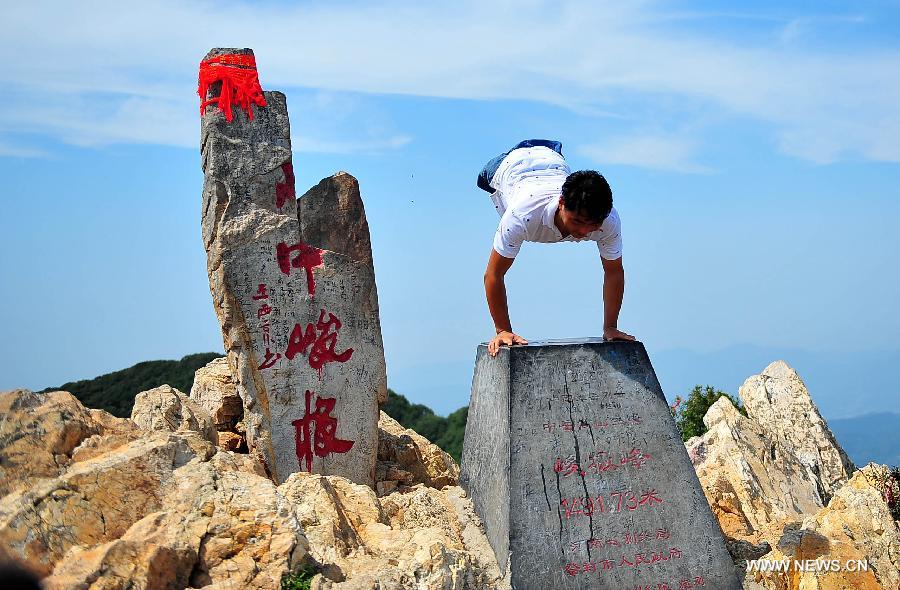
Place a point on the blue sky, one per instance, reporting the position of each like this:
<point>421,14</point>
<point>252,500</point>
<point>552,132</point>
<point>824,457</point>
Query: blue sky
<point>753,156</point>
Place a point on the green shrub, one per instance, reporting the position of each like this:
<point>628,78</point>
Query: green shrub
<point>689,413</point>
<point>300,580</point>
<point>446,433</point>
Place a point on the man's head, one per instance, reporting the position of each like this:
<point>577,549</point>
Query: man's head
<point>585,202</point>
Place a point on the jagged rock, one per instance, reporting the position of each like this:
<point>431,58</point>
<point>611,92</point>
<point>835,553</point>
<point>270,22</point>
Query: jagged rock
<point>855,526</point>
<point>231,441</point>
<point>299,322</point>
<point>752,484</point>
<point>406,457</point>
<point>40,431</point>
<point>741,550</point>
<point>167,409</point>
<point>796,540</point>
<point>217,530</point>
<point>95,500</point>
<point>332,217</point>
<point>159,509</point>
<point>214,390</point>
<point>418,540</point>
<point>779,402</point>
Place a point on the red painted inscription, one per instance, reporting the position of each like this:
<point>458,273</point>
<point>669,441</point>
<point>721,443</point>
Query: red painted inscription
<point>321,338</point>
<point>316,432</point>
<point>308,257</point>
<point>599,462</point>
<point>629,560</point>
<point>285,190</point>
<point>615,502</point>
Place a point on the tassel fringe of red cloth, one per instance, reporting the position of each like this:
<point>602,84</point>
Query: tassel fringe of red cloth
<point>240,83</point>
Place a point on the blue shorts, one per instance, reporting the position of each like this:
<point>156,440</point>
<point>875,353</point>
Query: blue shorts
<point>487,173</point>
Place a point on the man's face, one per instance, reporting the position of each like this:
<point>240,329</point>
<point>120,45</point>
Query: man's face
<point>576,224</point>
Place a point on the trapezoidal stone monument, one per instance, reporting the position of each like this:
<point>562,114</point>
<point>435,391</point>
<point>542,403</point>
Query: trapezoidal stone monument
<point>295,297</point>
<point>574,464</point>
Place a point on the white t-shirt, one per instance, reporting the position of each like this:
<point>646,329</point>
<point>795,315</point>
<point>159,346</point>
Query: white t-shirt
<point>528,184</point>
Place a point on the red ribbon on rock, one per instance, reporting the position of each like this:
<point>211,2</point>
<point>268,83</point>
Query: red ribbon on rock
<point>240,83</point>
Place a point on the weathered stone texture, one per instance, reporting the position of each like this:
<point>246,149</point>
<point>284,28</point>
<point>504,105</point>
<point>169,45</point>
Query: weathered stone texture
<point>159,509</point>
<point>779,402</point>
<point>167,409</point>
<point>753,484</point>
<point>855,526</point>
<point>215,391</point>
<point>424,539</point>
<point>574,463</point>
<point>295,318</point>
<point>408,458</point>
<point>332,217</point>
<point>39,432</point>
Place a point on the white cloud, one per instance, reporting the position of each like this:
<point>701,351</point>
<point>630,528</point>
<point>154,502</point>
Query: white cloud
<point>14,151</point>
<point>590,55</point>
<point>647,151</point>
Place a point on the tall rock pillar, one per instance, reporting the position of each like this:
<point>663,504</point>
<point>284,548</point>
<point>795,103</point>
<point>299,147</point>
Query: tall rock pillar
<point>299,321</point>
<point>574,464</point>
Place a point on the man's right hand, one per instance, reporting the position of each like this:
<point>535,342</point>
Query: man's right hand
<point>505,337</point>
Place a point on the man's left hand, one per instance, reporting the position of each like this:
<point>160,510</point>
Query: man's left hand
<point>616,334</point>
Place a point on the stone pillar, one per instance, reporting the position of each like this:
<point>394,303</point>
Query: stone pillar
<point>574,464</point>
<point>300,322</point>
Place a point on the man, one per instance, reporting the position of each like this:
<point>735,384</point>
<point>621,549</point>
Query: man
<point>539,200</point>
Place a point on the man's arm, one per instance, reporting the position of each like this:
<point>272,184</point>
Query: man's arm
<point>613,290</point>
<point>495,289</point>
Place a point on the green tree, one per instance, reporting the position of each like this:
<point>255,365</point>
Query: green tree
<point>115,392</point>
<point>446,433</point>
<point>688,413</point>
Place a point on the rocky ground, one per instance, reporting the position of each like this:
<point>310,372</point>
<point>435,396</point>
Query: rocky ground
<point>163,501</point>
<point>172,498</point>
<point>782,488</point>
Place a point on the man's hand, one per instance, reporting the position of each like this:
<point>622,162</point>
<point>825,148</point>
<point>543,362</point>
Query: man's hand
<point>505,337</point>
<point>616,334</point>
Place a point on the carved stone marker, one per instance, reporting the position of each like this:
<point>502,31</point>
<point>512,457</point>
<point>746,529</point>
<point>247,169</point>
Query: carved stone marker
<point>576,467</point>
<point>300,322</point>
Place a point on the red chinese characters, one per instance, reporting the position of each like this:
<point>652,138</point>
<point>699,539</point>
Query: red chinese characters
<point>285,190</point>
<point>599,462</point>
<point>316,432</point>
<point>319,340</point>
<point>635,560</point>
<point>270,358</point>
<point>615,502</point>
<point>307,257</point>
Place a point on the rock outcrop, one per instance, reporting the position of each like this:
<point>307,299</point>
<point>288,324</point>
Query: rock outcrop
<point>215,391</point>
<point>753,484</point>
<point>855,528</point>
<point>299,322</point>
<point>39,432</point>
<point>406,458</point>
<point>780,486</point>
<point>167,409</point>
<point>111,506</point>
<point>779,402</point>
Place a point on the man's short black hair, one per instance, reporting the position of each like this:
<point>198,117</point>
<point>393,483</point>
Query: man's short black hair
<point>587,193</point>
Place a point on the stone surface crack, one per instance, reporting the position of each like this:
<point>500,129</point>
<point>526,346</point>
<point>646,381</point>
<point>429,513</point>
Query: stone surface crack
<point>581,473</point>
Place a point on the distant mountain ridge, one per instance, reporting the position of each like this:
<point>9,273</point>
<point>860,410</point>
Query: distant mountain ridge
<point>871,437</point>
